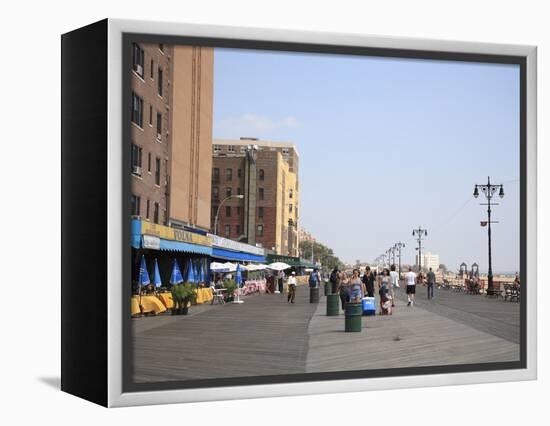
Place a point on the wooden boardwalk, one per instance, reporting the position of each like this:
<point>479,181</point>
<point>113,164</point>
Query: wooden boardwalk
<point>411,337</point>
<point>266,336</point>
<point>263,336</point>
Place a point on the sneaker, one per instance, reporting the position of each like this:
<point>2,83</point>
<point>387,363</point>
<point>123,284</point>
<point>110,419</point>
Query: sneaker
<point>409,303</point>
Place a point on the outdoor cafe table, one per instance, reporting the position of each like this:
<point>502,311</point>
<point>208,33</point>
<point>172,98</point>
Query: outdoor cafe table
<point>204,295</point>
<point>150,304</point>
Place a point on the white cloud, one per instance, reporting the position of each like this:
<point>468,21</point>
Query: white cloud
<point>251,125</point>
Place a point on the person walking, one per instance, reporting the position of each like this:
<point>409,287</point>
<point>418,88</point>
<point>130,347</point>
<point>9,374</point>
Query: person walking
<point>410,279</point>
<point>280,280</point>
<point>368,281</point>
<point>291,284</point>
<point>343,289</point>
<point>314,279</point>
<point>357,288</point>
<point>430,278</point>
<point>384,290</point>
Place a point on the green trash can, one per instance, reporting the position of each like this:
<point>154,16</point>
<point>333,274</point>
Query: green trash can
<point>314,295</point>
<point>354,314</point>
<point>327,288</point>
<point>333,305</point>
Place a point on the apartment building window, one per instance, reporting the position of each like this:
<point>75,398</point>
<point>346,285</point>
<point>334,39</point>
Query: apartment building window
<point>228,211</point>
<point>136,160</point>
<point>239,191</point>
<point>229,175</point>
<point>239,173</point>
<point>238,210</point>
<point>159,125</point>
<point>150,115</point>
<point>152,69</point>
<point>217,149</point>
<point>216,174</point>
<point>290,208</point>
<point>285,151</point>
<point>260,194</point>
<point>149,162</point>
<point>227,230</point>
<point>261,174</point>
<point>135,205</point>
<point>243,149</point>
<point>137,110</point>
<point>290,193</point>
<point>161,47</point>
<point>159,81</point>
<point>231,148</point>
<point>147,210</point>
<point>237,230</point>
<point>156,213</point>
<point>228,192</point>
<point>260,212</point>
<point>215,192</point>
<point>137,59</point>
<point>260,231</point>
<point>157,172</point>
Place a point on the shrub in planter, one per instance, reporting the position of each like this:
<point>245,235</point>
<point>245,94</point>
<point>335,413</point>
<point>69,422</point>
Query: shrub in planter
<point>183,295</point>
<point>230,286</point>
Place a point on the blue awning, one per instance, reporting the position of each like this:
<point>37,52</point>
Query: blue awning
<point>236,255</point>
<point>169,245</point>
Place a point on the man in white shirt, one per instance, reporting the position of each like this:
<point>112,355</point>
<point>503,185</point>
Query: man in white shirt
<point>410,278</point>
<point>291,282</point>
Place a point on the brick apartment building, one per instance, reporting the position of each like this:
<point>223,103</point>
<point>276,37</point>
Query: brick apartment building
<point>172,98</point>
<point>266,174</point>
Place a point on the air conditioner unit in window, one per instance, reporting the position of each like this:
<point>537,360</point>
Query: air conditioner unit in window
<point>136,170</point>
<point>139,69</point>
<point>159,136</point>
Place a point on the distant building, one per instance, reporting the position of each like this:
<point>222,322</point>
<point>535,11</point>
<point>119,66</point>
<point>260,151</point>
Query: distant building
<point>266,174</point>
<point>429,260</point>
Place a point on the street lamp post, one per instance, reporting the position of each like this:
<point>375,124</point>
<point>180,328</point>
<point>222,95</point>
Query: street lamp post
<point>489,190</point>
<point>419,233</point>
<point>398,247</point>
<point>218,210</point>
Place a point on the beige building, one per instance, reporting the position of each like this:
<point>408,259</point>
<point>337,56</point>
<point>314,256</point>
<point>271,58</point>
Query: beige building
<point>191,153</point>
<point>266,174</point>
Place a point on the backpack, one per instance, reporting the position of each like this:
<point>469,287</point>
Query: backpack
<point>313,279</point>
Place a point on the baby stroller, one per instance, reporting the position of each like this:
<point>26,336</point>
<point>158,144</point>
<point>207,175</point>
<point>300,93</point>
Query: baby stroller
<point>385,302</point>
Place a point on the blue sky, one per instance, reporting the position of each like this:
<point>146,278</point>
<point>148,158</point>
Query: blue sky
<point>385,145</point>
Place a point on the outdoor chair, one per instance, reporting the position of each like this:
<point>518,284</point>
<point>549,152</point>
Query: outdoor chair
<point>217,295</point>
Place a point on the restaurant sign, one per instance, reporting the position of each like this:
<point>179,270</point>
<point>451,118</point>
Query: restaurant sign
<point>174,234</point>
<point>226,243</point>
<point>151,242</point>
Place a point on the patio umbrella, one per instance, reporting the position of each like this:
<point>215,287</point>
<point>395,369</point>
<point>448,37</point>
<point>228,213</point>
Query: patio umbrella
<point>238,280</point>
<point>156,278</point>
<point>176,276</point>
<point>218,267</point>
<point>191,273</point>
<point>278,266</point>
<point>230,266</point>
<point>143,278</point>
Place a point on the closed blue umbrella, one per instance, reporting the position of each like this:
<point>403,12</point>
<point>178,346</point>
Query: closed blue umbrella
<point>176,276</point>
<point>143,273</point>
<point>156,278</point>
<point>191,273</point>
<point>238,280</point>
<point>238,275</point>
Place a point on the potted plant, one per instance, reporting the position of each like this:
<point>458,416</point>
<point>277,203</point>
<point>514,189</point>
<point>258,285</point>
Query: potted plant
<point>230,286</point>
<point>183,295</point>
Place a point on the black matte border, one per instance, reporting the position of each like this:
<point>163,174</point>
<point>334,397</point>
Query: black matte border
<point>127,347</point>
